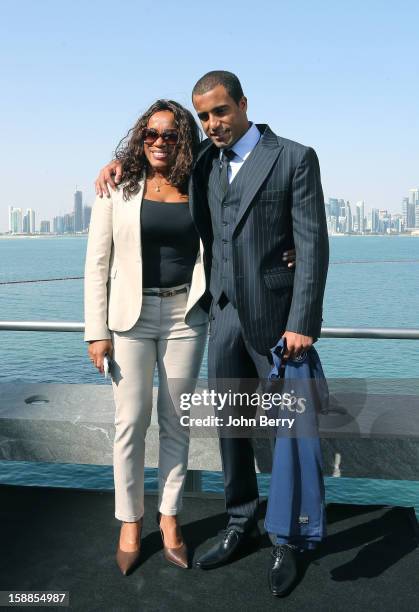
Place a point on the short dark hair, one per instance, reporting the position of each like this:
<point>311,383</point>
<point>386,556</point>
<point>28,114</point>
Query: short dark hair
<point>219,77</point>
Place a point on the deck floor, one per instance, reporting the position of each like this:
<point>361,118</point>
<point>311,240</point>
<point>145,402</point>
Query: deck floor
<point>52,539</point>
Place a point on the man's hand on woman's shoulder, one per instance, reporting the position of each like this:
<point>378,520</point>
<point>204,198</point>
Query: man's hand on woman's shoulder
<point>289,257</point>
<point>109,176</point>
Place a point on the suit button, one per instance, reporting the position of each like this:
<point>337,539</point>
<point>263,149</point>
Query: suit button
<point>225,223</point>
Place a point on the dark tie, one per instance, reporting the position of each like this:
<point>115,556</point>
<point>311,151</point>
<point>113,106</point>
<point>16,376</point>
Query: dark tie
<point>226,157</point>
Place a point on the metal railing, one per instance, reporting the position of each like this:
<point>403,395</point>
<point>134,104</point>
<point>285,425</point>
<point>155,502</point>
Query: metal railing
<point>378,333</point>
<point>193,483</point>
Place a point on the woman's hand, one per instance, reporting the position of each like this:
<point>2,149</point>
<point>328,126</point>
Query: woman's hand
<point>109,175</point>
<point>97,350</point>
<point>289,257</point>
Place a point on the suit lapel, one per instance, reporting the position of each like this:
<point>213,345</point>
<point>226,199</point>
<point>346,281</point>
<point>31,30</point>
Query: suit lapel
<point>205,146</point>
<point>257,167</point>
<point>129,216</point>
<point>198,186</point>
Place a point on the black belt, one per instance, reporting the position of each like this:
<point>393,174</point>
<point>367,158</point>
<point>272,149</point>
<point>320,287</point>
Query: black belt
<point>165,292</point>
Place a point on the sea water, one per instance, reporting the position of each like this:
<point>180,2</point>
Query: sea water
<point>373,281</point>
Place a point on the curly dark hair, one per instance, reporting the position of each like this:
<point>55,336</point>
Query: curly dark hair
<point>130,150</point>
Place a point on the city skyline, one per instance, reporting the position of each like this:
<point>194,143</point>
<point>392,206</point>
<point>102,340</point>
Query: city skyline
<point>76,221</point>
<point>368,208</point>
<point>341,217</point>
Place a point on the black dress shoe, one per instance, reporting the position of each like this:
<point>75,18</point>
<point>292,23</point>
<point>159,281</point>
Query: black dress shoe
<point>223,551</point>
<point>282,574</point>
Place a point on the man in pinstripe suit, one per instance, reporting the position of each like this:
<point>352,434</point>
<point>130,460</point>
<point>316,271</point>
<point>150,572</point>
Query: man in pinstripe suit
<point>254,196</point>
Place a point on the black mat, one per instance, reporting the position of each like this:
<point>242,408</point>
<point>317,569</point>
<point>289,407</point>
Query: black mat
<point>52,539</point>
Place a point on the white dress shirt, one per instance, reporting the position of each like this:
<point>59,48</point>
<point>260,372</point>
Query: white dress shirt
<point>242,149</point>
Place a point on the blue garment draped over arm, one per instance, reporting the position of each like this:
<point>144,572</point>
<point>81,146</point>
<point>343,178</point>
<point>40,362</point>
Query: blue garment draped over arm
<point>296,504</point>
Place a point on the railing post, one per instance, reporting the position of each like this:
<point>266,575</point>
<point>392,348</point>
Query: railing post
<point>193,482</point>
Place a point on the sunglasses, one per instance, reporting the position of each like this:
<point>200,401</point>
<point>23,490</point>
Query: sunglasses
<point>150,135</point>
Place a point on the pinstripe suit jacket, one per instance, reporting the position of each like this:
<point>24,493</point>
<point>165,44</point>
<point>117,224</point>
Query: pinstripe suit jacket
<point>282,207</point>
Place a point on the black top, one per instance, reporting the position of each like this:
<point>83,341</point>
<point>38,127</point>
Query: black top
<point>169,243</point>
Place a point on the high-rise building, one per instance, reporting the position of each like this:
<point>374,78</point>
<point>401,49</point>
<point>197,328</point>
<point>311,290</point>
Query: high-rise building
<point>397,223</point>
<point>360,216</point>
<point>25,224</point>
<point>384,221</point>
<point>405,211</point>
<point>348,217</point>
<point>31,214</point>
<point>15,220</point>
<point>29,221</point>
<point>327,210</point>
<point>68,223</point>
<point>87,213</point>
<point>357,218</point>
<point>369,221</point>
<point>408,214</point>
<point>375,220</point>
<point>334,207</point>
<point>332,225</point>
<point>45,227</point>
<point>58,225</point>
<point>414,195</point>
<point>78,211</point>
<point>414,201</point>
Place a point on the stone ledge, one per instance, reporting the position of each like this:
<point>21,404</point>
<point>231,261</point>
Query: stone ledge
<point>77,426</point>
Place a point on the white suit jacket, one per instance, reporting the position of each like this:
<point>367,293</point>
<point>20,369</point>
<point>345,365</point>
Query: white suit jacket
<point>113,269</point>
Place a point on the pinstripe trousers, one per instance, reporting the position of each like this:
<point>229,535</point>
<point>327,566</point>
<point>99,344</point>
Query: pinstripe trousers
<point>230,356</point>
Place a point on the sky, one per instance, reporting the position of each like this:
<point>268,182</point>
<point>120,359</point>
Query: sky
<point>342,77</point>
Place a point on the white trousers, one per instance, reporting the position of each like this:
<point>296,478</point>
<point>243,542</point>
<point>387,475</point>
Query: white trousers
<point>160,337</point>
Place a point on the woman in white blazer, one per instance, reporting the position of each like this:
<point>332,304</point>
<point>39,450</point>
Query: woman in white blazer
<point>144,277</point>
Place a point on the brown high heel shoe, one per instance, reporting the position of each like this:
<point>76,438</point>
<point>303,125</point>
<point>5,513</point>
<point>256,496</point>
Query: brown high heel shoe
<point>179,555</point>
<point>128,560</point>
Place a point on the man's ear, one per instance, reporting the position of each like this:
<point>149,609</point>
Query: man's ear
<point>243,103</point>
